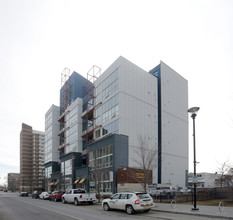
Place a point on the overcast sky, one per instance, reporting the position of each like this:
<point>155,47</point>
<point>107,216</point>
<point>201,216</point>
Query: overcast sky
<point>39,38</point>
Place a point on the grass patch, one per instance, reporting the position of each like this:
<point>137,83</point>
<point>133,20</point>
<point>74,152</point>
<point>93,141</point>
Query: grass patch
<point>213,202</point>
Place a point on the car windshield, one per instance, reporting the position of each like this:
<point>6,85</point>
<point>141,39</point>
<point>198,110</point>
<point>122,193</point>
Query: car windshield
<point>143,195</point>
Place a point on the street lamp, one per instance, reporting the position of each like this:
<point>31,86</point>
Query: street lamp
<point>193,112</point>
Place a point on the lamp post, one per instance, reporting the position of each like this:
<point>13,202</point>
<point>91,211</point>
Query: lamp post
<point>193,112</point>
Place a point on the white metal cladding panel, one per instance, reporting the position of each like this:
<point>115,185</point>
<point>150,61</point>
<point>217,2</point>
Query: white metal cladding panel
<point>174,104</point>
<point>175,135</point>
<point>138,102</point>
<point>136,118</point>
<point>173,169</point>
<point>137,82</point>
<point>174,90</point>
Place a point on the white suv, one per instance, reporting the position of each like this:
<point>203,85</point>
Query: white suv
<point>131,202</point>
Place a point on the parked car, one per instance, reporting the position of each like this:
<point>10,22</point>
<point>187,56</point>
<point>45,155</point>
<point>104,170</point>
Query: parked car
<point>23,194</point>
<point>78,196</point>
<point>56,196</point>
<point>184,190</point>
<point>44,195</point>
<point>167,191</point>
<point>36,194</point>
<point>130,202</point>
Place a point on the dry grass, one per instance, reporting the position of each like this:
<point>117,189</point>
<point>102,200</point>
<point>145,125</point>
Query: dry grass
<point>213,202</point>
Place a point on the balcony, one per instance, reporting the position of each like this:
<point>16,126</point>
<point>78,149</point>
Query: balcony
<point>61,146</point>
<point>88,111</point>
<point>90,129</point>
<point>61,131</point>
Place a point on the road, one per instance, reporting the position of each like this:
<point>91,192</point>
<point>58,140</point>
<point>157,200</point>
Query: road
<point>13,207</point>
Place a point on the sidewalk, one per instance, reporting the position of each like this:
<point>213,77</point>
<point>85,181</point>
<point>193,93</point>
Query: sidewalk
<point>208,211</point>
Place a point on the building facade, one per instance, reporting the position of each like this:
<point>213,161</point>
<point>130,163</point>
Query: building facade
<point>152,105</point>
<point>31,159</point>
<point>124,101</point>
<point>203,180</point>
<point>52,155</point>
<point>172,125</point>
<point>13,180</point>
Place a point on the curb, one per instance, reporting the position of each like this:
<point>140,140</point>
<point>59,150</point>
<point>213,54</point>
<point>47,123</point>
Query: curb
<point>193,214</point>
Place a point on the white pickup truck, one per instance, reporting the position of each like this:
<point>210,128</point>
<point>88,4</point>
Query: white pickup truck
<point>168,191</point>
<point>78,196</point>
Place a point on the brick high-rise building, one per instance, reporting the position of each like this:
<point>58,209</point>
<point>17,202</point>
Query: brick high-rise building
<point>13,180</point>
<point>31,158</point>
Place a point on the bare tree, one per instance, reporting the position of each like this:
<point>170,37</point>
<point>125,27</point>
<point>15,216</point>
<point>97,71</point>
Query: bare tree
<point>97,177</point>
<point>226,176</point>
<point>223,171</point>
<point>147,160</point>
<point>230,179</point>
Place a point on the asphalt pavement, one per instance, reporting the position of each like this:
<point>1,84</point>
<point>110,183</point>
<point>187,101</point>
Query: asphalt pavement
<point>205,211</point>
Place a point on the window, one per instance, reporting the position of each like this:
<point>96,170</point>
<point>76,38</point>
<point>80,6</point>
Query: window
<point>117,196</point>
<point>48,172</point>
<point>124,196</point>
<point>110,108</point>
<point>143,195</point>
<point>130,195</point>
<point>111,113</point>
<point>97,112</point>
<point>98,94</point>
<point>98,121</point>
<point>112,127</point>
<point>97,133</point>
<point>104,157</point>
<point>66,167</point>
<point>110,84</point>
<point>110,103</point>
<point>110,79</point>
<point>73,129</point>
<point>91,160</point>
<point>62,167</point>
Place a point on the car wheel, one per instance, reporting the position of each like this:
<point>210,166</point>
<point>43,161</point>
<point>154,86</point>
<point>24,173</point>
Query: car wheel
<point>106,207</point>
<point>63,200</point>
<point>43,198</point>
<point>90,203</point>
<point>76,202</point>
<point>55,200</point>
<point>50,199</point>
<point>129,209</point>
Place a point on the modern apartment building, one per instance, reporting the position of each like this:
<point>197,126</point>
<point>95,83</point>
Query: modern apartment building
<point>31,159</point>
<point>102,119</point>
<point>52,156</point>
<point>135,103</point>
